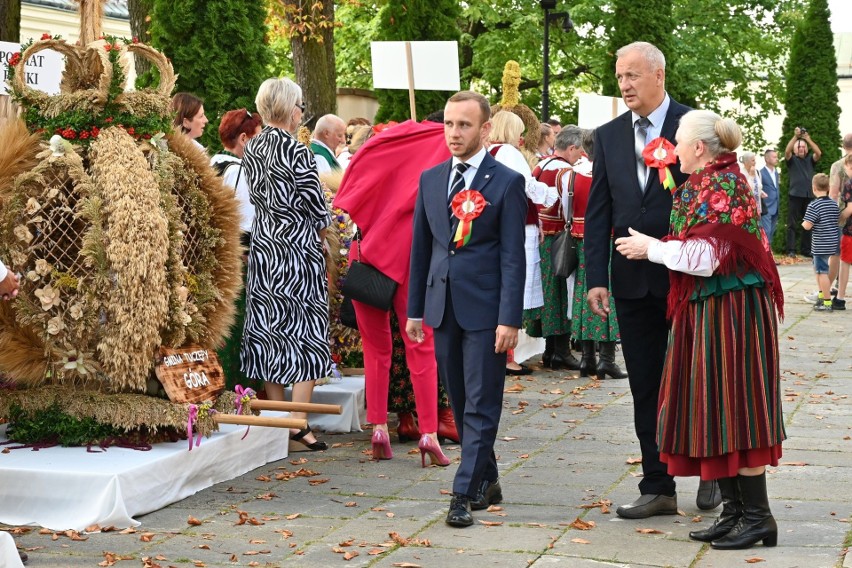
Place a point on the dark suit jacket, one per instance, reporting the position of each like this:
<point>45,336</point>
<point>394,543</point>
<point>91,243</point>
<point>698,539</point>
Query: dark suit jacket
<point>486,276</point>
<point>771,190</point>
<point>616,202</point>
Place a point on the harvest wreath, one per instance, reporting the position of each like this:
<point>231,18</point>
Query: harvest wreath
<point>125,238</point>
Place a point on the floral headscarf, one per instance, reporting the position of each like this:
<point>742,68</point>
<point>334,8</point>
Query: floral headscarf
<point>716,204</point>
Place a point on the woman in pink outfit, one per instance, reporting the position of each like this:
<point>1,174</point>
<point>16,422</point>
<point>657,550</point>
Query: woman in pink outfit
<point>378,191</point>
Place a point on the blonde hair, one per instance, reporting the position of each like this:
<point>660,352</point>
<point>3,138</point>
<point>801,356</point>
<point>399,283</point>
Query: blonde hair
<point>276,99</point>
<point>820,183</point>
<point>506,127</point>
<point>718,134</point>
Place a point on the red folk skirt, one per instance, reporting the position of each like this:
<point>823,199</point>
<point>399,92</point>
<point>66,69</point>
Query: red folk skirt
<point>720,402</point>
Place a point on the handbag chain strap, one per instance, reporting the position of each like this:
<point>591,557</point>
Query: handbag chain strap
<point>569,201</point>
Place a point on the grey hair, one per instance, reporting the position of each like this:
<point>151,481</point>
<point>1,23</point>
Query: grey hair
<point>328,122</point>
<point>570,135</point>
<point>276,99</point>
<point>718,134</point>
<point>746,156</point>
<point>650,52</point>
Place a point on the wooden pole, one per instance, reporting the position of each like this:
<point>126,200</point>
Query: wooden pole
<point>409,64</point>
<point>257,404</point>
<point>243,420</point>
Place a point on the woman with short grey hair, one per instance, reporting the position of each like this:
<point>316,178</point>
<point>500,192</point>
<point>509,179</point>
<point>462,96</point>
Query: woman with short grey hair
<point>285,338</point>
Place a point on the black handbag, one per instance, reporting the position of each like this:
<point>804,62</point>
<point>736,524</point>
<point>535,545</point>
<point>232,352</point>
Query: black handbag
<point>368,285</point>
<point>563,252</point>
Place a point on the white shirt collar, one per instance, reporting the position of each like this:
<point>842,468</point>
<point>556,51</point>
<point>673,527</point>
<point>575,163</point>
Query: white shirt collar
<point>658,116</point>
<point>474,161</point>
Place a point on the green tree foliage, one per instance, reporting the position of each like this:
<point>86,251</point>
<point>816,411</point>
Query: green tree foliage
<point>218,49</point>
<point>811,100</point>
<point>415,20</point>
<point>649,21</point>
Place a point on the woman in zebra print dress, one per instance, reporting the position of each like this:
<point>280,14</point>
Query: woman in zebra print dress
<point>285,339</point>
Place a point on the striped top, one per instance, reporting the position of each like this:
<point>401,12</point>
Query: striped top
<point>825,237</point>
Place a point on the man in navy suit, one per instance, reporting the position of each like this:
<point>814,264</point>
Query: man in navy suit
<point>627,194</point>
<point>471,292</point>
<point>769,179</point>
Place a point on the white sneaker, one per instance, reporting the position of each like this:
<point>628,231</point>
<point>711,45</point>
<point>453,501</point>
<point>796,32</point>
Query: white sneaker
<point>814,296</point>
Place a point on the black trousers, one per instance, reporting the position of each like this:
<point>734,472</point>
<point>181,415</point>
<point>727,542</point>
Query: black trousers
<point>644,336</point>
<point>796,207</point>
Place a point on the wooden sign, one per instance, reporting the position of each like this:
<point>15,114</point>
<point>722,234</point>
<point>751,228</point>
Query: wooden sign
<point>190,374</point>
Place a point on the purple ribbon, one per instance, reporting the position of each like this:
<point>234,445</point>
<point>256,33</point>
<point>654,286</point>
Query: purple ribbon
<point>243,392</point>
<point>193,415</point>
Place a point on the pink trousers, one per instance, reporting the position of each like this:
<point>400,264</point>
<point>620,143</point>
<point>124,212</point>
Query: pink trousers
<point>374,325</point>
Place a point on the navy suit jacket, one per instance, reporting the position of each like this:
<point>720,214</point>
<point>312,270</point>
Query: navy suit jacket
<point>771,190</point>
<point>617,202</point>
<point>486,276</point>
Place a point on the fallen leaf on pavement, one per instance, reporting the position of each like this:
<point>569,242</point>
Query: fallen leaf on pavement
<point>582,525</point>
<point>754,560</point>
<point>649,531</point>
<point>581,541</point>
<point>517,387</point>
<point>631,461</point>
<point>491,523</point>
<point>193,521</point>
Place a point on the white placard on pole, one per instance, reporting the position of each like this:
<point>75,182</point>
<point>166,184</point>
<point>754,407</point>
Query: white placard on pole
<point>595,110</point>
<point>435,65</point>
<point>43,71</point>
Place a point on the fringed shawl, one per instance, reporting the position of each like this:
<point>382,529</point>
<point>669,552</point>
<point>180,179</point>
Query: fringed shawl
<point>717,205</point>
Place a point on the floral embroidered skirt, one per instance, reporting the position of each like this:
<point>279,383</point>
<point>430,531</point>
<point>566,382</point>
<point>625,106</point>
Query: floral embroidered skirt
<point>720,402</point>
<point>585,324</point>
<point>552,318</point>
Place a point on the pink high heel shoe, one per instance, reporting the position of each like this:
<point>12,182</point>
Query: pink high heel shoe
<point>381,445</point>
<point>429,446</point>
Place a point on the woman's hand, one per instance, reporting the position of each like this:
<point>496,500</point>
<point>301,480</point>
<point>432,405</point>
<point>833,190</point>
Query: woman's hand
<point>634,247</point>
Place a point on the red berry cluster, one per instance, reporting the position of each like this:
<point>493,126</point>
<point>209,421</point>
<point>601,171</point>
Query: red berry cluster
<point>46,36</point>
<point>15,59</point>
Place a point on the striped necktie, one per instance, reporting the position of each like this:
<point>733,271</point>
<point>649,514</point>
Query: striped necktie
<point>458,185</point>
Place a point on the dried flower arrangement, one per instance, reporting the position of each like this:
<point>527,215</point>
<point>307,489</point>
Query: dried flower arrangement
<point>124,235</point>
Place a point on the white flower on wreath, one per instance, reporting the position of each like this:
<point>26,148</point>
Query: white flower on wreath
<point>55,325</point>
<point>77,361</point>
<point>42,267</point>
<point>33,276</point>
<point>32,206</point>
<point>49,297</point>
<point>59,145</point>
<point>23,233</point>
<point>76,311</point>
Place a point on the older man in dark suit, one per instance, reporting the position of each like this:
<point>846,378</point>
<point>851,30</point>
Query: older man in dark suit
<point>469,289</point>
<point>627,194</point>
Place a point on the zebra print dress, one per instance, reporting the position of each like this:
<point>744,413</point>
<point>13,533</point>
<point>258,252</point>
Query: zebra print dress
<point>285,338</point>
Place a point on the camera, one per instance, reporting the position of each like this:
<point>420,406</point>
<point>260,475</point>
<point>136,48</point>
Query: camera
<point>803,130</point>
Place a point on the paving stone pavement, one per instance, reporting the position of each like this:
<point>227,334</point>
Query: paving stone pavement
<point>565,445</point>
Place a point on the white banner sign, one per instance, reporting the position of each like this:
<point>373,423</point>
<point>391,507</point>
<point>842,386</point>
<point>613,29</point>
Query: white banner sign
<point>43,71</point>
<point>596,110</point>
<point>435,65</point>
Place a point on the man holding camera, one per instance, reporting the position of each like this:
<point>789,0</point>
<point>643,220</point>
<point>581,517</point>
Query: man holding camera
<point>800,154</point>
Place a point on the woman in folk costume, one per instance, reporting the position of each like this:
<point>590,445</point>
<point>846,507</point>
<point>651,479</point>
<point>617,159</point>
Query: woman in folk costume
<point>720,404</point>
<point>504,142</point>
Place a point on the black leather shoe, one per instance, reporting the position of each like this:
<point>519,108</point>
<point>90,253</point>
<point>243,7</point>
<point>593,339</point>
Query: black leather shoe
<point>709,496</point>
<point>649,505</point>
<point>490,493</point>
<point>459,514</point>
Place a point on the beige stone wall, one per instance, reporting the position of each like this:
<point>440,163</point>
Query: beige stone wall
<point>38,20</point>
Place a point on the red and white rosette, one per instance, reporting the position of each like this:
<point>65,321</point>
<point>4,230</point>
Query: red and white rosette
<point>466,206</point>
<point>660,154</point>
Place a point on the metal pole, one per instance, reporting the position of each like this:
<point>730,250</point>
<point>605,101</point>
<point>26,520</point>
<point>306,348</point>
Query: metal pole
<point>545,95</point>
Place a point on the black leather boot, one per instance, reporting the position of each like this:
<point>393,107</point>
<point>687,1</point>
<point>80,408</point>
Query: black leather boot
<point>562,356</point>
<point>547,356</point>
<point>588,364</point>
<point>756,523</point>
<point>606,365</point>
<point>732,510</point>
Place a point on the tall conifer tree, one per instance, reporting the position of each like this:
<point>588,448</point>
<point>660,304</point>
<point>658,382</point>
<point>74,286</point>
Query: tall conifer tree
<point>811,99</point>
<point>218,49</point>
